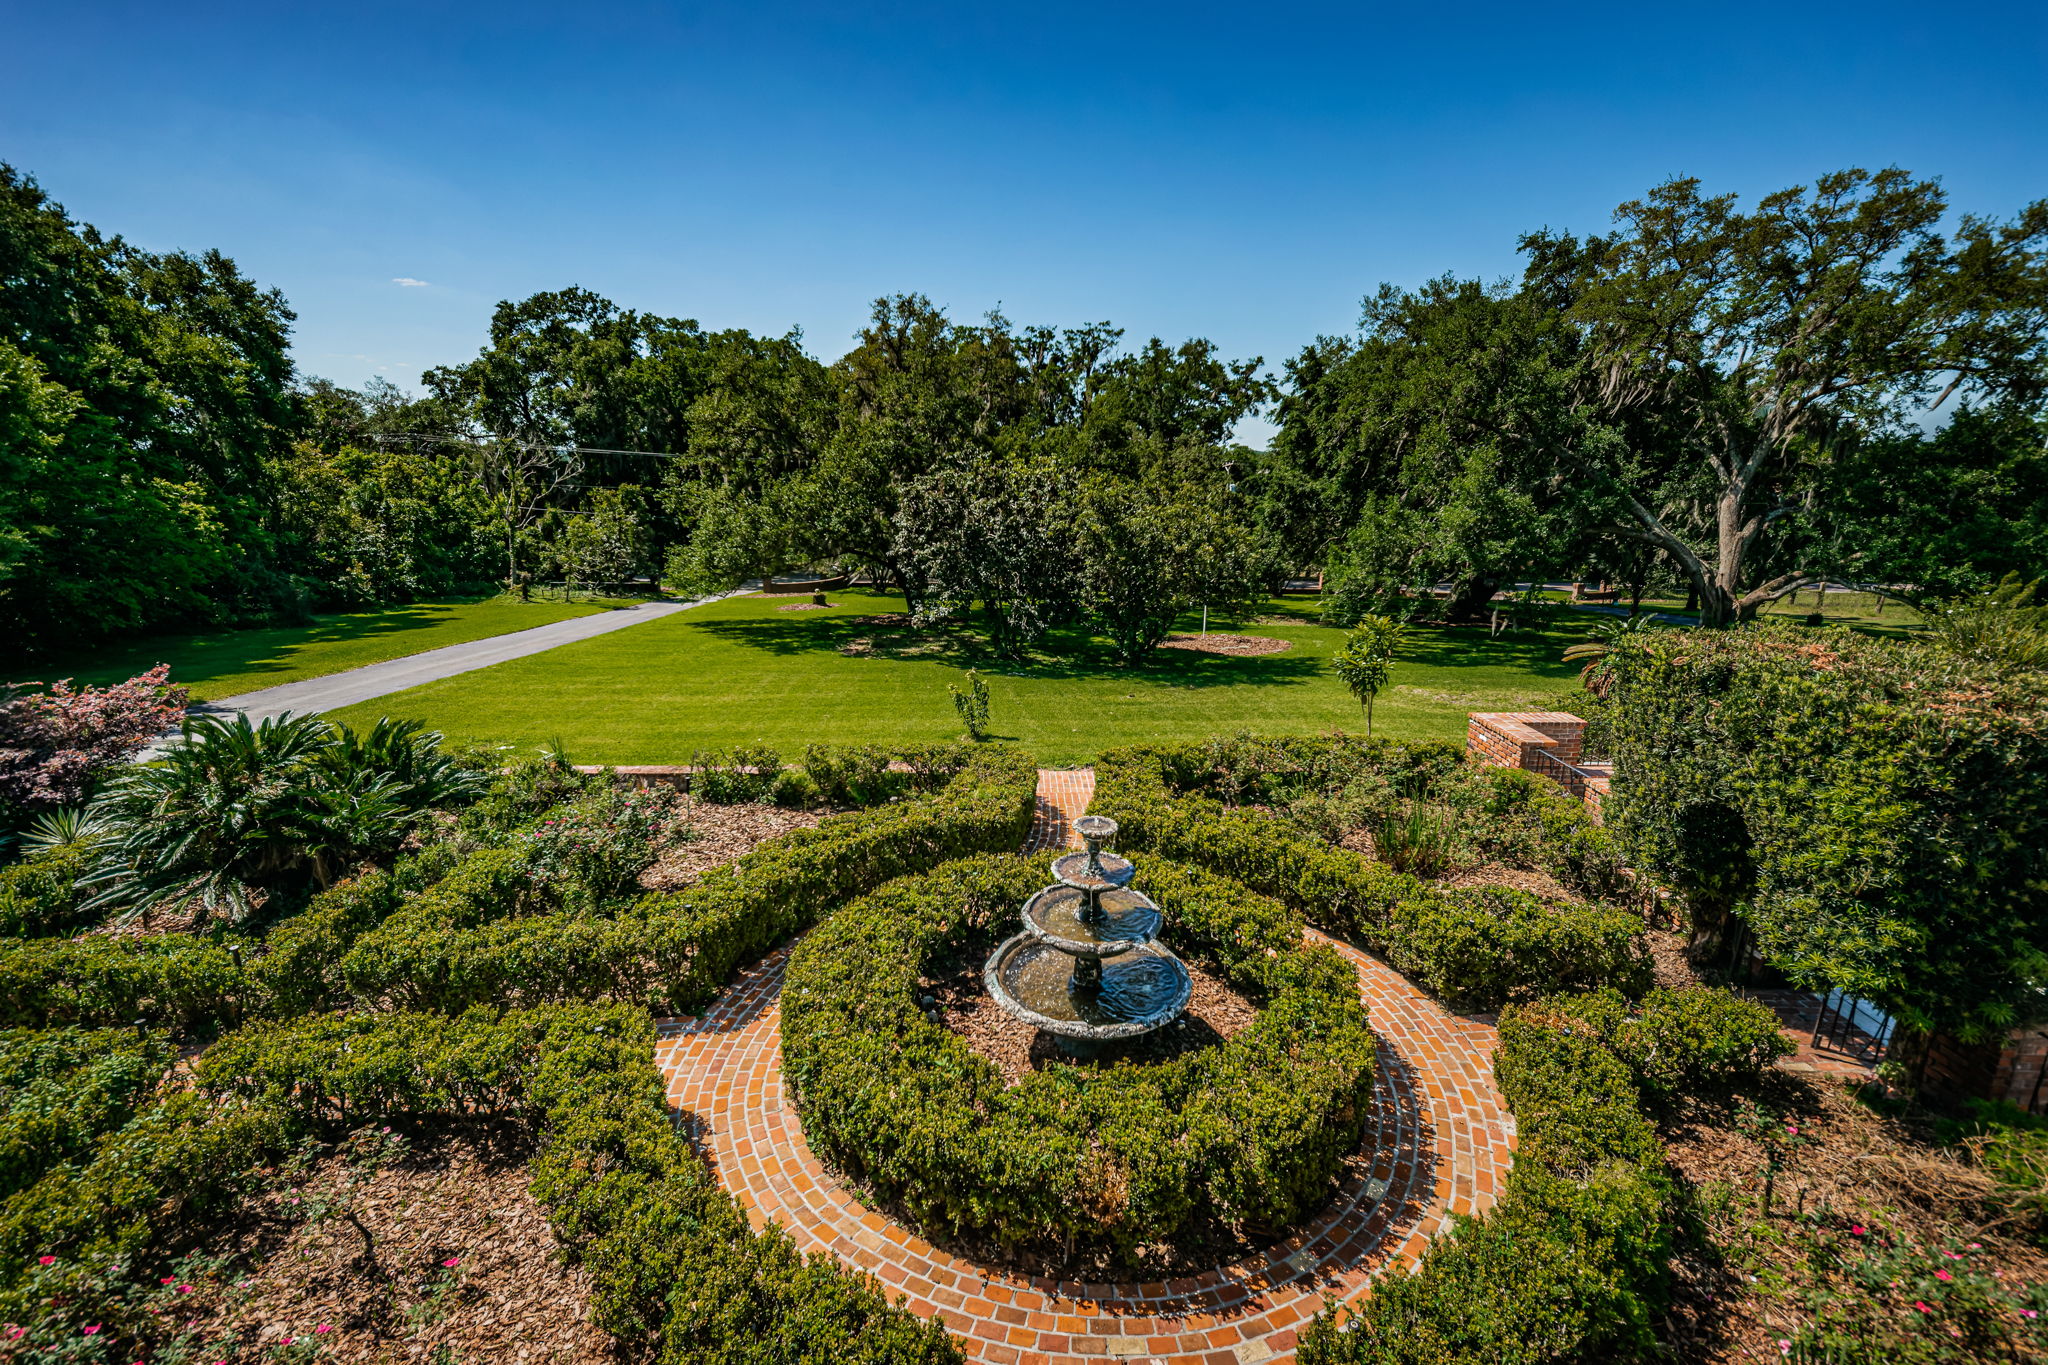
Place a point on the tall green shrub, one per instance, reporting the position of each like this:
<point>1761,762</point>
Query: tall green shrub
<point>1875,812</point>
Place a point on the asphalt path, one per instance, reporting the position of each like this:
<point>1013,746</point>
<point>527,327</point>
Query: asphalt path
<point>337,690</point>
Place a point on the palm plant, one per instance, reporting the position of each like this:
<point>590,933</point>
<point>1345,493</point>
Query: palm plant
<point>1608,638</point>
<point>235,810</point>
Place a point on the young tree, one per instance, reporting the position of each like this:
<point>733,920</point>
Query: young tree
<point>1365,663</point>
<point>1735,353</point>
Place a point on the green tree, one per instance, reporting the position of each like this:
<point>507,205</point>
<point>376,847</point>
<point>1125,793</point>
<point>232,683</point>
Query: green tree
<point>1151,551</point>
<point>1365,663</point>
<point>1736,354</point>
<point>992,532</point>
<point>1439,446</point>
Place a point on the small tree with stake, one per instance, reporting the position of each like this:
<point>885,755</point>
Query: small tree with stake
<point>1366,661</point>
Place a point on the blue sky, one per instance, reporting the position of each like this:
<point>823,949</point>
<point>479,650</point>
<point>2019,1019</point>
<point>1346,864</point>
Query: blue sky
<point>1244,173</point>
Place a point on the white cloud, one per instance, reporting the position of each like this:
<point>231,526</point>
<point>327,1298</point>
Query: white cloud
<point>406,282</point>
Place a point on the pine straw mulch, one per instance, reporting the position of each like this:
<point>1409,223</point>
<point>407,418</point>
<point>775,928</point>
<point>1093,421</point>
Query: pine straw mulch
<point>459,1195</point>
<point>1240,645</point>
<point>1852,1168</point>
<point>718,835</point>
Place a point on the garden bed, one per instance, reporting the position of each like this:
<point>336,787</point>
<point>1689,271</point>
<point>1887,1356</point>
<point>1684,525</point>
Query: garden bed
<point>465,1266</point>
<point>718,834</point>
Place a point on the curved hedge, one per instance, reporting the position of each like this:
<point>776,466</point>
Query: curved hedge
<point>675,1268</point>
<point>442,929</point>
<point>1573,1263</point>
<point>1249,1133</point>
<point>1476,949</point>
<point>676,951</point>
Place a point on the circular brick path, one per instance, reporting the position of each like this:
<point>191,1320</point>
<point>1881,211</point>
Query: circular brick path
<point>1442,1145</point>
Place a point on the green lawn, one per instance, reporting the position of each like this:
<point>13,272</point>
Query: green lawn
<point>745,671</point>
<point>225,663</point>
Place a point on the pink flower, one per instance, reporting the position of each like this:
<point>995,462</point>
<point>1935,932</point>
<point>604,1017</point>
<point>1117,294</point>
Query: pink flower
<point>451,1262</point>
<point>184,1289</point>
<point>289,1340</point>
<point>1943,1275</point>
<point>1784,1347</point>
<point>46,1260</point>
<point>93,1330</point>
<point>323,1327</point>
<point>1921,1306</point>
<point>1793,1129</point>
<point>168,1279</point>
<point>2028,1313</point>
<point>1855,1230</point>
<point>14,1332</point>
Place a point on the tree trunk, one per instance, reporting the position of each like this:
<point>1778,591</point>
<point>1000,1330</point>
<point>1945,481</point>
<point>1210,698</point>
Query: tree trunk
<point>1471,597</point>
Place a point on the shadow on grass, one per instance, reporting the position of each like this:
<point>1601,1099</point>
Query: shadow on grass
<point>1066,654</point>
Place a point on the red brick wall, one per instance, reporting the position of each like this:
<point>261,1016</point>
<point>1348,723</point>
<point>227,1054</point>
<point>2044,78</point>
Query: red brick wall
<point>1506,739</point>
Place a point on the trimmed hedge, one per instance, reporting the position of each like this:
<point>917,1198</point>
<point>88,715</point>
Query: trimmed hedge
<point>671,1256</point>
<point>40,895</point>
<point>173,981</point>
<point>1476,949</point>
<point>1573,1263</point>
<point>675,952</point>
<point>1876,812</point>
<point>61,1088</point>
<point>1249,1133</point>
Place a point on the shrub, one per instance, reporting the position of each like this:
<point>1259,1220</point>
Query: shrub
<point>173,981</point>
<point>972,705</point>
<point>1476,949</point>
<point>676,951</point>
<point>54,745</point>
<point>60,1089</point>
<point>590,849</point>
<point>40,896</point>
<point>1572,1263</point>
<point>1878,811</point>
<point>744,773</point>
<point>1249,1133</point>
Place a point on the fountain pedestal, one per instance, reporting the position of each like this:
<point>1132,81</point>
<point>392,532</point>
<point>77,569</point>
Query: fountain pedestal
<point>1087,968</point>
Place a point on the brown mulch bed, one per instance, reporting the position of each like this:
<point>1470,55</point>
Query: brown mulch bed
<point>1217,1011</point>
<point>460,1195</point>
<point>1514,878</point>
<point>807,606</point>
<point>719,834</point>
<point>1241,645</point>
<point>1854,1167</point>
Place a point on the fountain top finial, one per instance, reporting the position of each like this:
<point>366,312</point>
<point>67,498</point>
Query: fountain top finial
<point>1095,831</point>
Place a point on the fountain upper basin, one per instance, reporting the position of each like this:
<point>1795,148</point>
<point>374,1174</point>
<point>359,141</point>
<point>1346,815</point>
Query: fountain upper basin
<point>1057,915</point>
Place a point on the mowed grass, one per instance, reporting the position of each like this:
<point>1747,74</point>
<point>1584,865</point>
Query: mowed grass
<point>745,671</point>
<point>226,663</point>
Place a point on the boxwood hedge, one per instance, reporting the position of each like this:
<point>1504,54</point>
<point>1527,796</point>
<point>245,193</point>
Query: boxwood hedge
<point>675,1268</point>
<point>675,952</point>
<point>1475,949</point>
<point>1248,1133</point>
<point>1573,1262</point>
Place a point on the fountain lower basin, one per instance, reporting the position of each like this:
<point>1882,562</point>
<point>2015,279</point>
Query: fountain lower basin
<point>1090,999</point>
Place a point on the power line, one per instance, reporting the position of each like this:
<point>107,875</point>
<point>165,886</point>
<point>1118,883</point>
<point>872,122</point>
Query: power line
<point>446,437</point>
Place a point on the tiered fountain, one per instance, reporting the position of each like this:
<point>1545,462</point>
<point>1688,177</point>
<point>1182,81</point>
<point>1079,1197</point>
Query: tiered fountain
<point>1087,968</point>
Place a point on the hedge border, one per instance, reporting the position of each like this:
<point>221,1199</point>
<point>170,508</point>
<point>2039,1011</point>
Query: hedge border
<point>1476,949</point>
<point>1250,1133</point>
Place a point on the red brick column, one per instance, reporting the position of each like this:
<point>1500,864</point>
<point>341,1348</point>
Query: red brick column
<point>1509,739</point>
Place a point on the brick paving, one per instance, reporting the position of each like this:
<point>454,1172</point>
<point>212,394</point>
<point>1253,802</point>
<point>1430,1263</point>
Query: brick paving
<point>1442,1144</point>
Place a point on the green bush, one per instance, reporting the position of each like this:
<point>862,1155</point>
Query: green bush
<point>61,1088</point>
<point>1573,1262</point>
<point>39,895</point>
<point>676,951</point>
<point>173,981</point>
<point>1476,949</point>
<point>672,1259</point>
<point>1875,812</point>
<point>1248,1134</point>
